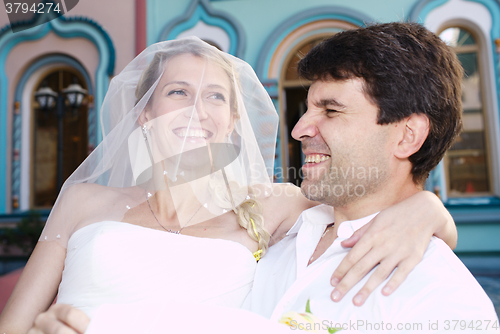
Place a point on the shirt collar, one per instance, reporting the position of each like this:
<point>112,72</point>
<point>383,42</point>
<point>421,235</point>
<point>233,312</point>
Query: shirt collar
<point>323,215</point>
<point>347,228</point>
<point>318,215</point>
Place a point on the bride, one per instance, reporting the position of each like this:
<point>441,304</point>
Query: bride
<point>176,203</point>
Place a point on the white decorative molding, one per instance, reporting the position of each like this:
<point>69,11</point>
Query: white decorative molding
<point>209,33</point>
<point>460,10</point>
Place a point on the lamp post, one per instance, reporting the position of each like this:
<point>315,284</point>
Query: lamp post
<point>47,100</point>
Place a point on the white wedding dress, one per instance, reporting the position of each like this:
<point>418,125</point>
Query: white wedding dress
<point>119,263</point>
<point>131,279</point>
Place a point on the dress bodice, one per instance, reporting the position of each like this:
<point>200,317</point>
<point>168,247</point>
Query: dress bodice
<point>116,263</point>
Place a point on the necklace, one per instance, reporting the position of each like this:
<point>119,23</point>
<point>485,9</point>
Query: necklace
<point>163,227</point>
<point>327,229</point>
<point>324,233</point>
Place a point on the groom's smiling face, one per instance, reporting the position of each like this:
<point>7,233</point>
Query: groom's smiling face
<point>342,142</point>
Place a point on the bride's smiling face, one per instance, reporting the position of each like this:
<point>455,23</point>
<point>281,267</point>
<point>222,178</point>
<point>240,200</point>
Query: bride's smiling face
<point>190,107</point>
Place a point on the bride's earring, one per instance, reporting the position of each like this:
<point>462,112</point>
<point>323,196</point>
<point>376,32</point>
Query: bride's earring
<point>145,131</point>
<point>227,138</point>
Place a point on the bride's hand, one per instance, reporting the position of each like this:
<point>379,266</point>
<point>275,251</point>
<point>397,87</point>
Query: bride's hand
<point>59,319</point>
<point>395,240</point>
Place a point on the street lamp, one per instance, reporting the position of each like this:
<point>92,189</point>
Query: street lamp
<point>45,97</point>
<point>48,99</point>
<point>75,94</point>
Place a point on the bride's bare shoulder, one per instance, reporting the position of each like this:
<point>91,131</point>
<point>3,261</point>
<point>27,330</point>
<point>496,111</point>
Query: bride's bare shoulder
<point>283,205</point>
<point>85,196</point>
<point>82,191</point>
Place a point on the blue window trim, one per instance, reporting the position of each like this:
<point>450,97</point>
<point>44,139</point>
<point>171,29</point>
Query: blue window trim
<point>202,10</point>
<point>17,118</point>
<point>296,21</point>
<point>479,213</point>
<point>65,28</point>
<point>420,11</point>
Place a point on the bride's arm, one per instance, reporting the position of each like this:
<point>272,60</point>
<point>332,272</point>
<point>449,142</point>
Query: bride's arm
<point>155,317</point>
<point>60,318</point>
<point>36,288</point>
<point>39,281</point>
<point>282,208</point>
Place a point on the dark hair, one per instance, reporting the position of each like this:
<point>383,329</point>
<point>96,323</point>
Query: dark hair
<point>407,69</point>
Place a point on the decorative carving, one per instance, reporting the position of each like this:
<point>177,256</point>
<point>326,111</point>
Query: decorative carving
<point>17,109</point>
<point>15,202</point>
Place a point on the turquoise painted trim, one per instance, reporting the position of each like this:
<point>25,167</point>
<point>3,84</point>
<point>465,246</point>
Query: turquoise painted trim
<point>467,213</point>
<point>7,41</point>
<point>271,87</point>
<point>105,69</point>
<point>298,41</point>
<point>65,28</point>
<point>37,18</point>
<point>473,201</point>
<point>201,14</point>
<point>493,7</point>
<point>292,23</point>
<point>493,254</point>
<point>478,238</point>
<point>93,25</point>
<point>202,10</point>
<point>422,8</point>
<point>17,118</point>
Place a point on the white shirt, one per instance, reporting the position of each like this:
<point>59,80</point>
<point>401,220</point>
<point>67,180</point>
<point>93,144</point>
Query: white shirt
<point>439,295</point>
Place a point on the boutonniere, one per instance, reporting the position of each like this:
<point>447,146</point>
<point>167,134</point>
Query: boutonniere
<point>307,321</point>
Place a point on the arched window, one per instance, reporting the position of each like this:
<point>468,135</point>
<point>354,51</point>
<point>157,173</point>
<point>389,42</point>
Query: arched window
<point>48,171</point>
<point>467,163</point>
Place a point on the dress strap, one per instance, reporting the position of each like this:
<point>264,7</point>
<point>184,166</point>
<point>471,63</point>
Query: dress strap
<point>258,253</point>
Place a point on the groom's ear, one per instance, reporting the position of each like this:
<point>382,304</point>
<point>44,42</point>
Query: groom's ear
<point>413,135</point>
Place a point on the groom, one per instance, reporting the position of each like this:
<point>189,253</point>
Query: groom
<point>384,105</point>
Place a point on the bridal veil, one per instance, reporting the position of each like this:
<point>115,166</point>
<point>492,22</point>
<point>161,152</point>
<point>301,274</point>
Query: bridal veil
<point>181,116</point>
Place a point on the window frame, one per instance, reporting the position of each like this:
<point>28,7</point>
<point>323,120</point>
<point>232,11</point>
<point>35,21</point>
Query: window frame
<point>40,77</point>
<point>488,110</point>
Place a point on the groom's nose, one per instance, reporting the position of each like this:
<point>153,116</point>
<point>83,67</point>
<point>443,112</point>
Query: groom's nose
<point>305,127</point>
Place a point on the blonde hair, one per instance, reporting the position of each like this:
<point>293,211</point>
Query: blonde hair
<point>249,210</point>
